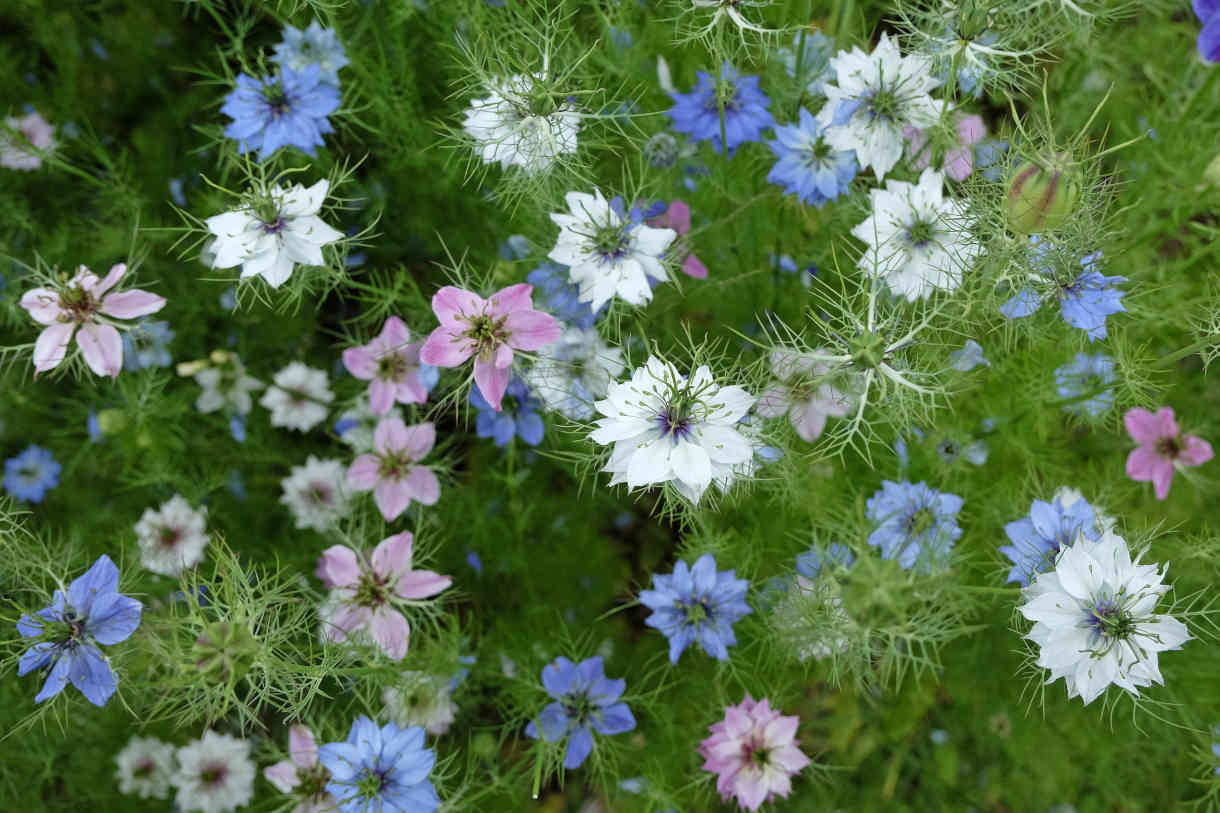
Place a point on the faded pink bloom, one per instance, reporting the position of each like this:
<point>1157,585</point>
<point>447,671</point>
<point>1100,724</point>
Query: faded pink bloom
<point>806,402</point>
<point>677,217</point>
<point>304,777</point>
<point>390,365</point>
<point>392,472</point>
<point>959,161</point>
<point>1160,449</point>
<point>488,329</point>
<point>754,751</point>
<point>366,595</point>
<point>85,302</point>
<point>34,132</point>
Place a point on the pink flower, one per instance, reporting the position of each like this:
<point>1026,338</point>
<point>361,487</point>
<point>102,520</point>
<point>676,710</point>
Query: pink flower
<point>677,217</point>
<point>391,471</point>
<point>366,595</point>
<point>806,402</point>
<point>390,365</point>
<point>303,772</point>
<point>488,329</point>
<point>37,133</point>
<point>959,161</point>
<point>1160,450</point>
<point>85,302</point>
<point>754,751</point>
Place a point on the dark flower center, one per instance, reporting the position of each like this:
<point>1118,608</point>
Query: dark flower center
<point>373,591</point>
<point>920,521</point>
<point>611,242</point>
<point>391,367</point>
<point>486,333</point>
<point>274,227</point>
<point>578,706</point>
<point>277,99</point>
<point>144,769</point>
<point>1168,447</point>
<point>819,151</point>
<point>394,467</point>
<point>675,421</point>
<point>1110,621</point>
<point>920,233</point>
<point>214,774</point>
<point>883,104</point>
<point>79,304</point>
<point>697,612</point>
<point>318,494</point>
<point>371,784</point>
<point>169,537</point>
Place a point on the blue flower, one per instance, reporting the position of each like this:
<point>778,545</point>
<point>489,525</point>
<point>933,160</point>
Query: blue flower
<point>1084,302</point>
<point>288,110</point>
<point>918,523</point>
<point>1038,538</point>
<point>1208,44</point>
<point>31,474</point>
<point>745,109</point>
<point>585,701</point>
<point>837,555</point>
<point>968,357</point>
<point>518,415</point>
<point>1087,374</point>
<point>147,345</point>
<point>313,46</point>
<point>988,156</point>
<point>561,296</point>
<point>808,167</point>
<point>380,769</point>
<point>697,603</point>
<point>92,612</point>
<point>515,247</point>
<point>237,427</point>
<point>814,61</point>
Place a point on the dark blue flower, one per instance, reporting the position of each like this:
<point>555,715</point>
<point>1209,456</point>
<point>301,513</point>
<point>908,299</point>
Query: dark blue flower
<point>1209,38</point>
<point>147,345</point>
<point>1038,538</point>
<point>808,167</point>
<point>380,769</point>
<point>1084,302</point>
<point>92,612</point>
<point>810,563</point>
<point>560,296</point>
<point>288,110</point>
<point>31,474</point>
<point>745,109</point>
<point>697,604</point>
<point>518,415</point>
<point>918,524</point>
<point>585,701</point>
<point>1087,374</point>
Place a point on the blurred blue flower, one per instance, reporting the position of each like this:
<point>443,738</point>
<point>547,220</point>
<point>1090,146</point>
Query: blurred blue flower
<point>697,603</point>
<point>918,524</point>
<point>837,555</point>
<point>620,37</point>
<point>313,46</point>
<point>380,769</point>
<point>1083,303</point>
<point>29,475</point>
<point>515,247</point>
<point>968,357</point>
<point>94,425</point>
<point>988,157</point>
<point>1049,528</point>
<point>146,344</point>
<point>288,110</point>
<point>697,113</point>
<point>236,485</point>
<point>176,191</point>
<point>228,299</point>
<point>585,701</point>
<point>813,60</point>
<point>1086,374</point>
<point>518,415</point>
<point>561,297</point>
<point>808,167</point>
<point>474,561</point>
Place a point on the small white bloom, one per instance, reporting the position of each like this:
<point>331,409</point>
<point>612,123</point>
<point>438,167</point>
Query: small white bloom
<point>300,397</point>
<point>173,537</point>
<point>570,374</point>
<point>669,428</point>
<point>215,774</point>
<point>421,699</point>
<point>607,253</point>
<point>316,493</point>
<point>521,124</point>
<point>145,766</point>
<point>873,97</point>
<point>731,9</point>
<point>270,243</point>
<point>918,241</point>
<point>357,424</point>
<point>226,386</point>
<point>1094,622</point>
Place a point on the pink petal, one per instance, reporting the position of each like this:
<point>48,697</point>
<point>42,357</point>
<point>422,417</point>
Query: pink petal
<point>302,746</point>
<point>421,584</point>
<point>453,306</point>
<point>52,345</point>
<point>102,348</point>
<point>392,498</point>
<point>424,486</point>
<point>381,396</point>
<point>348,618</point>
<point>419,440</point>
<point>491,380</point>
<point>43,305</point>
<point>514,298</point>
<point>1169,426</point>
<point>1144,464</point>
<point>1162,477</point>
<point>389,629</point>
<point>283,775</point>
<point>1142,425</point>
<point>692,266</point>
<point>446,348</point>
<point>360,362</point>
<point>531,329</point>
<point>99,289</point>
<point>364,472</point>
<point>392,556</point>
<point>131,304</point>
<point>338,567</point>
<point>808,420</point>
<point>773,402</point>
<point>1195,450</point>
<point>677,217</point>
<point>394,332</point>
<point>503,355</point>
<point>971,129</point>
<point>390,436</point>
<point>959,163</point>
<point>410,390</point>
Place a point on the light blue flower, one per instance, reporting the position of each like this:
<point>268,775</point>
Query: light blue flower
<point>968,357</point>
<point>380,769</point>
<point>813,62</point>
<point>517,417</point>
<point>918,524</point>
<point>146,344</point>
<point>1084,301</point>
<point>836,556</point>
<point>1038,538</point>
<point>808,167</point>
<point>31,474</point>
<point>313,46</point>
<point>585,701</point>
<point>288,110</point>
<point>697,603</point>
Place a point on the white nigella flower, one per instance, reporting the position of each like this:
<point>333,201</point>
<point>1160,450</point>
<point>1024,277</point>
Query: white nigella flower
<point>609,252</point>
<point>522,123</point>
<point>873,97</point>
<point>145,766</point>
<point>570,374</point>
<point>316,493</point>
<point>300,397</point>
<point>215,774</point>
<point>1094,622</point>
<point>173,537</point>
<point>357,424</point>
<point>226,386</point>
<point>731,10</point>
<point>670,428</point>
<point>270,236</point>
<point>421,699</point>
<point>918,241</point>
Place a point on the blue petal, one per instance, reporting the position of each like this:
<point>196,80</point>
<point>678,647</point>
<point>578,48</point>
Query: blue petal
<point>616,719</point>
<point>114,618</point>
<point>35,658</point>
<point>1023,304</point>
<point>100,579</point>
<point>580,745</point>
<point>56,680</point>
<point>91,674</point>
<point>558,677</point>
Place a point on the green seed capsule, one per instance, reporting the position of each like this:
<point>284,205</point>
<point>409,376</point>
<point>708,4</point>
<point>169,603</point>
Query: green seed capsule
<point>1042,196</point>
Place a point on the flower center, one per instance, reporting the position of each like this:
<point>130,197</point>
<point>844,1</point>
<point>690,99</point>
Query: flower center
<point>610,242</point>
<point>486,333</point>
<point>1110,621</point>
<point>696,613</point>
<point>920,233</point>
<point>1168,447</point>
<point>884,104</point>
<point>372,591</point>
<point>168,536</point>
<point>370,785</point>
<point>78,303</point>
<point>144,769</point>
<point>391,367</point>
<point>578,706</point>
<point>275,226</point>
<point>394,467</point>
<point>318,494</point>
<point>920,522</point>
<point>819,151</point>
<point>725,96</point>
<point>676,420</point>
<point>277,99</point>
<point>214,774</point>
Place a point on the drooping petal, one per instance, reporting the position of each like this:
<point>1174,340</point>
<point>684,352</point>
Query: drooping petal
<point>580,745</point>
<point>363,474</point>
<point>390,436</point>
<point>390,631</point>
<point>338,567</point>
<point>530,329</point>
<point>419,440</point>
<point>446,348</point>
<point>92,675</point>
<point>454,306</point>
<point>102,348</point>
<point>282,775</point>
<point>392,498</point>
<point>509,300</point>
<point>492,382</point>
<point>43,305</point>
<point>52,345</point>
<point>360,362</point>
<point>423,486</point>
<point>131,304</point>
<point>101,578</point>
<point>114,617</point>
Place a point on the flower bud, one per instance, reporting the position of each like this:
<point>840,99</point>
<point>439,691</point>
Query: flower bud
<point>1042,195</point>
<point>111,421</point>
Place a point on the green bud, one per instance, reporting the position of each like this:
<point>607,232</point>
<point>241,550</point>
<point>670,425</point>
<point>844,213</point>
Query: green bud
<point>1042,195</point>
<point>224,649</point>
<point>484,745</point>
<point>111,421</point>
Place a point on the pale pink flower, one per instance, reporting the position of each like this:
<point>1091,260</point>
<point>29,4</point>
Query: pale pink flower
<point>366,594</point>
<point>677,217</point>
<point>390,365</point>
<point>1160,449</point>
<point>798,394</point>
<point>488,329</point>
<point>754,751</point>
<point>303,777</point>
<point>87,303</point>
<point>38,136</point>
<point>392,469</point>
<point>959,161</point>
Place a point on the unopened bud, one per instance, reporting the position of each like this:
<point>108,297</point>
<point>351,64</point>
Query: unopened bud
<point>1042,195</point>
<point>111,421</point>
<point>190,368</point>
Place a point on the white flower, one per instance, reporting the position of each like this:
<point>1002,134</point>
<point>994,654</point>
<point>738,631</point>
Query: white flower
<point>668,428</point>
<point>918,241</point>
<point>609,255</point>
<point>316,493</point>
<point>356,426</point>
<point>732,10</point>
<point>1094,622</point>
<point>215,774</point>
<point>571,373</point>
<point>173,537</point>
<point>421,699</point>
<point>520,124</point>
<point>226,386</point>
<point>145,766</point>
<point>874,96</point>
<point>270,242</point>
<point>300,397</point>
